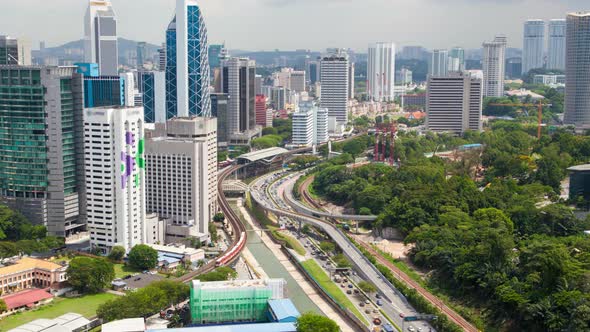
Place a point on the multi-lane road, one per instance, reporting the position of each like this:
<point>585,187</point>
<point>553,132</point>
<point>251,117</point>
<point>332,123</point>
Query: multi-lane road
<point>395,304</point>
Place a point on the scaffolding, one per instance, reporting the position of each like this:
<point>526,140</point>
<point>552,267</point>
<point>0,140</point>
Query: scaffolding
<point>233,301</point>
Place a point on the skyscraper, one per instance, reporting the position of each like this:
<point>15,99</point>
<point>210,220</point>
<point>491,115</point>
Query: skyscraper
<point>154,96</point>
<point>238,81</point>
<point>454,103</point>
<point>351,70</point>
<point>533,45</point>
<point>577,70</point>
<point>141,54</point>
<point>334,92</point>
<point>556,48</point>
<point>115,176</point>
<point>100,38</point>
<point>14,52</point>
<point>261,110</point>
<point>302,131</point>
<point>216,52</point>
<point>181,168</point>
<point>439,64</point>
<point>494,62</point>
<point>187,63</point>
<point>380,72</point>
<point>456,59</point>
<point>219,105</point>
<point>42,164</point>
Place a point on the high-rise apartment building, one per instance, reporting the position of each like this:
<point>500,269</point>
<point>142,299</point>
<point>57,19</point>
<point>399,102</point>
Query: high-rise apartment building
<point>454,103</point>
<point>42,163</point>
<point>238,81</point>
<point>533,45</point>
<point>100,37</point>
<point>115,176</point>
<point>381,72</point>
<point>302,131</point>
<point>181,168</point>
<point>404,76</point>
<point>494,61</point>
<point>556,47</point>
<point>187,63</point>
<point>153,85</point>
<point>334,92</point>
<point>14,51</point>
<point>577,70</point>
<point>439,64</point>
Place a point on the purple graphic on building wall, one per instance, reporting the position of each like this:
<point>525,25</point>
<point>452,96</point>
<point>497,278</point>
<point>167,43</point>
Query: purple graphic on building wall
<point>128,162</point>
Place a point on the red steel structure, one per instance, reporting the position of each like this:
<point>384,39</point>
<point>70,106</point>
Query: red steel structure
<point>384,133</point>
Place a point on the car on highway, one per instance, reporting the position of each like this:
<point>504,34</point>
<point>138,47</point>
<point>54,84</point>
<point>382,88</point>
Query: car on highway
<point>350,286</point>
<point>379,302</point>
<point>411,328</point>
<point>367,302</point>
<point>362,304</point>
<point>349,292</point>
<point>378,296</point>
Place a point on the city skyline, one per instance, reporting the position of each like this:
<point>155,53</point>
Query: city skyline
<point>329,31</point>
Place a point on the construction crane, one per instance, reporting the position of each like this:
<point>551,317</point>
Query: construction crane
<point>539,106</point>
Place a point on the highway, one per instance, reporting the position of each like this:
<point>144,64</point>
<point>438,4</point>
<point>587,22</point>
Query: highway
<point>395,303</point>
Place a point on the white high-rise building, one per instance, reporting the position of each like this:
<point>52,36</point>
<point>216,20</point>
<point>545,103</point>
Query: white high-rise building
<point>533,45</point>
<point>454,103</point>
<point>381,72</point>
<point>334,76</point>
<point>439,64</point>
<point>556,48</point>
<point>577,70</point>
<point>351,69</point>
<point>303,127</point>
<point>320,126</point>
<point>129,88</point>
<point>115,176</point>
<point>494,63</point>
<point>181,168</point>
<point>100,37</point>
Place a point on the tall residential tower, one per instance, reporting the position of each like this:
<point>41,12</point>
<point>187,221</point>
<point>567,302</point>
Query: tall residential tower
<point>556,48</point>
<point>533,45</point>
<point>381,72</point>
<point>494,62</point>
<point>334,93</point>
<point>577,70</point>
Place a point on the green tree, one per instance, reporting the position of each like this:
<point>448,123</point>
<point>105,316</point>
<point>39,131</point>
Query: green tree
<point>219,274</point>
<point>143,257</point>
<point>367,287</point>
<point>219,217</point>
<point>213,232</point>
<point>269,131</point>
<point>341,261</point>
<point>90,275</point>
<point>327,246</point>
<point>3,306</point>
<point>310,322</point>
<point>117,253</point>
<point>8,249</point>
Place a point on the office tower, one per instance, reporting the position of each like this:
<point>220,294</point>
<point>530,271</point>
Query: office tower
<point>351,81</point>
<point>454,103</point>
<point>404,76</point>
<point>556,48</point>
<point>115,176</point>
<point>216,52</point>
<point>380,72</point>
<point>187,63</point>
<point>270,116</point>
<point>314,72</point>
<point>162,58</point>
<point>14,51</point>
<point>297,79</point>
<point>261,110</point>
<point>278,97</point>
<point>456,59</point>
<point>334,78</point>
<point>141,54</point>
<point>439,63</point>
<point>219,109</point>
<point>533,45</point>
<point>258,84</point>
<point>42,166</point>
<point>494,60</point>
<point>101,91</point>
<point>237,77</point>
<point>320,121</point>
<point>514,68</point>
<point>153,85</point>
<point>302,131</point>
<point>100,37</point>
<point>577,70</point>
<point>181,169</point>
<point>129,89</point>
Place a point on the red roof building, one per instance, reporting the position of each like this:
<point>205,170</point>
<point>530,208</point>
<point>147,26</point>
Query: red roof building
<point>29,298</point>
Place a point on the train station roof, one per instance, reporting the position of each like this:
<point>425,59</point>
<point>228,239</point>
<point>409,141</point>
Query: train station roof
<point>266,154</point>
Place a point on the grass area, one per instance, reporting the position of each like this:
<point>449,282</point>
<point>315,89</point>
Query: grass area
<point>122,270</point>
<point>291,242</point>
<point>331,288</point>
<point>85,306</point>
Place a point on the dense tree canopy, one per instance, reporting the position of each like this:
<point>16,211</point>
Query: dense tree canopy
<point>310,322</point>
<point>90,275</point>
<point>143,257</point>
<point>117,253</point>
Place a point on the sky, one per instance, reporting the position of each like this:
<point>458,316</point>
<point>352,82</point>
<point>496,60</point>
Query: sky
<point>297,24</point>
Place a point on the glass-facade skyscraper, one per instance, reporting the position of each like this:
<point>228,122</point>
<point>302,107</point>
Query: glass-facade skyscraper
<point>41,138</point>
<point>577,70</point>
<point>187,63</point>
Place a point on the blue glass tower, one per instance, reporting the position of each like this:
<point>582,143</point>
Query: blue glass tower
<point>187,63</point>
